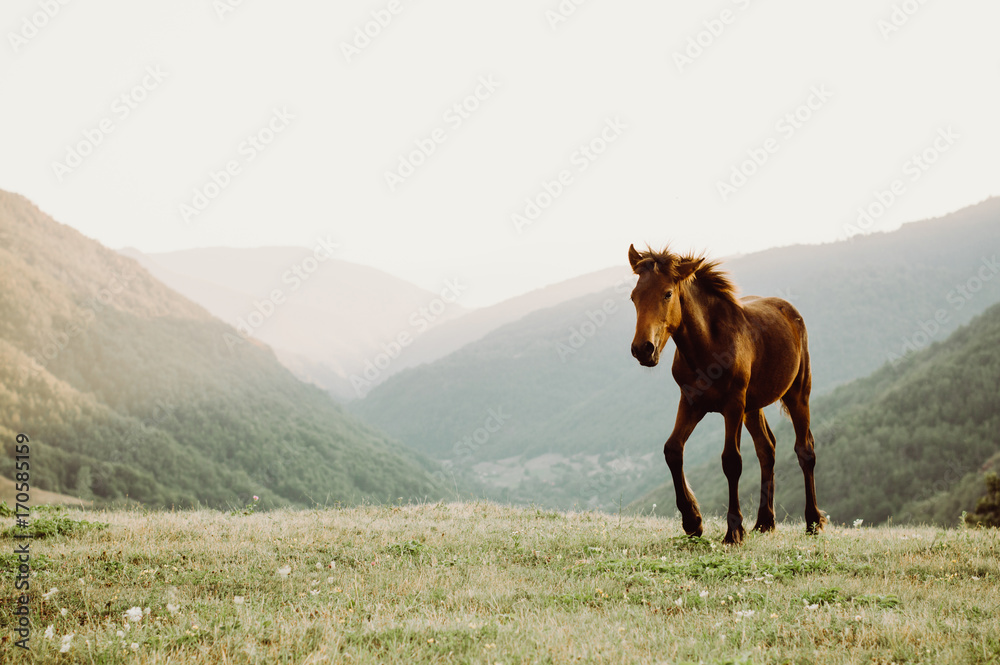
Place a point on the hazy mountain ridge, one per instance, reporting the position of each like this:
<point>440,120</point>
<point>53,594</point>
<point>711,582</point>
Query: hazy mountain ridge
<point>327,319</point>
<point>566,377</point>
<point>127,388</point>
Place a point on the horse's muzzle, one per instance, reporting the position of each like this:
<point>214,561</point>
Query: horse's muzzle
<point>646,354</point>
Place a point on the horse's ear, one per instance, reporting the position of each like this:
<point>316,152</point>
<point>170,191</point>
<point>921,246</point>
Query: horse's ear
<point>687,268</point>
<point>633,257</point>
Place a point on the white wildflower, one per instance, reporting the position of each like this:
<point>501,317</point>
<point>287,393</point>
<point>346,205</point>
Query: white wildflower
<point>284,571</point>
<point>238,600</point>
<point>51,592</point>
<point>67,641</point>
<point>703,594</point>
<point>49,632</point>
<point>133,614</point>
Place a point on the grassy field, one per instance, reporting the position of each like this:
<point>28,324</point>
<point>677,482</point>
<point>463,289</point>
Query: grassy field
<point>482,583</point>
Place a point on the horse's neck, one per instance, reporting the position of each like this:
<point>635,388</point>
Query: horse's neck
<point>705,329</point>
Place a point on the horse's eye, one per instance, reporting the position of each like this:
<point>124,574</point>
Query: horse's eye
<point>667,295</point>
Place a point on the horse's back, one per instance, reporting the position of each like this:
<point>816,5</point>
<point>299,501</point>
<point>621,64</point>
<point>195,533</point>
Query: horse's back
<point>773,313</point>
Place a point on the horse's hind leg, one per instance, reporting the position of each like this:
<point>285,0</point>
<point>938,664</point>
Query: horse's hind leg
<point>763,441</point>
<point>796,400</point>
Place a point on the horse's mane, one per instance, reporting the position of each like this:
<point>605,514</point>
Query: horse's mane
<point>708,275</point>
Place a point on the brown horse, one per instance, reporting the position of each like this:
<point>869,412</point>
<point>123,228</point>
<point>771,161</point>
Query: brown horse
<point>733,357</point>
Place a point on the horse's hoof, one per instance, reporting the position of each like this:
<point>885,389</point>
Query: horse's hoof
<point>763,527</point>
<point>734,536</point>
<point>693,529</point>
<point>735,533</point>
<point>815,524</point>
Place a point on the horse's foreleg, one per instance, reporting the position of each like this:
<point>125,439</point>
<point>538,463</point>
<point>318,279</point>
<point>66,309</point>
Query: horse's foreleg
<point>763,441</point>
<point>673,452</point>
<point>732,466</point>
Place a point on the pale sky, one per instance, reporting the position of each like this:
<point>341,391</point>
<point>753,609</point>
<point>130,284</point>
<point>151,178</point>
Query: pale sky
<point>834,100</point>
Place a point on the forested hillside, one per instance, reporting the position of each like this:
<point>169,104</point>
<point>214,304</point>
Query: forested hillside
<point>908,442</point>
<point>584,420</point>
<point>129,390</point>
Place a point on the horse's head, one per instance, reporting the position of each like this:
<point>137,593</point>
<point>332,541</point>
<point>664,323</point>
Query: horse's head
<point>657,298</point>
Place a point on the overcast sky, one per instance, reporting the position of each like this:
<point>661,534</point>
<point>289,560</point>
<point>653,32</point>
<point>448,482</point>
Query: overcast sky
<point>629,121</point>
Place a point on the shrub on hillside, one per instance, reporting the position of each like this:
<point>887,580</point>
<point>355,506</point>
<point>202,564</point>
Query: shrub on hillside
<point>988,509</point>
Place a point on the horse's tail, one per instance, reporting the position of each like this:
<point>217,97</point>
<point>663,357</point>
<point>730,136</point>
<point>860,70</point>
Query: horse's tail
<point>805,367</point>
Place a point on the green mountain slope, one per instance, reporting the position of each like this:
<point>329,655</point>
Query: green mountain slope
<point>583,418</point>
<point>128,389</point>
<point>908,442</point>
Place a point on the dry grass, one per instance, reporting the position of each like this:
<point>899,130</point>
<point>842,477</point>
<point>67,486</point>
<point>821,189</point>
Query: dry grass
<point>481,583</point>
